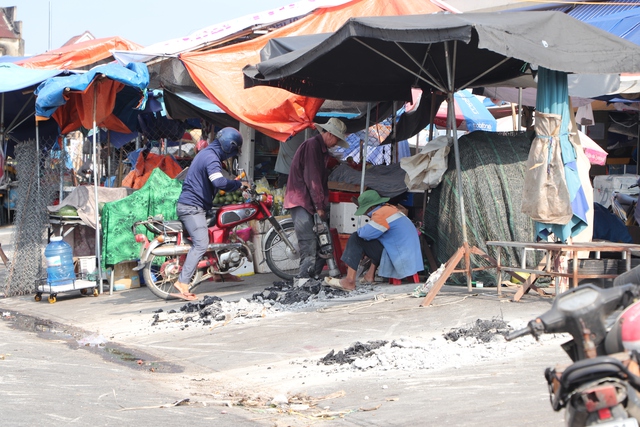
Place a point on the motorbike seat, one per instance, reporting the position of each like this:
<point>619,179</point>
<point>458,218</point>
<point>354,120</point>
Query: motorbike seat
<point>174,226</point>
<point>592,369</point>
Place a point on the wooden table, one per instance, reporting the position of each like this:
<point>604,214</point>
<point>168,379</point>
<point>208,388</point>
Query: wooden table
<point>547,267</point>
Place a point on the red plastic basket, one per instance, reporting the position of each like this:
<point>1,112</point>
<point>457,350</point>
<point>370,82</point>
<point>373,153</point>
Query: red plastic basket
<point>341,196</point>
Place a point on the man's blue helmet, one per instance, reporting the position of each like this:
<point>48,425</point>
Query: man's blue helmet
<point>230,141</point>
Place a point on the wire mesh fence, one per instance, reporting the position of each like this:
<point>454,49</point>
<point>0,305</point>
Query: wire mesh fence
<point>34,192</point>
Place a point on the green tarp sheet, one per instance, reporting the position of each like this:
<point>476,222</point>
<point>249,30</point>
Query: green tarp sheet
<point>157,196</point>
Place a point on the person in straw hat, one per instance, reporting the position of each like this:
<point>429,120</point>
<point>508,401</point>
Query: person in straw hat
<point>389,240</point>
<point>307,190</point>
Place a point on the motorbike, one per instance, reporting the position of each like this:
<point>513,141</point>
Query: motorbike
<point>600,387</point>
<point>162,257</point>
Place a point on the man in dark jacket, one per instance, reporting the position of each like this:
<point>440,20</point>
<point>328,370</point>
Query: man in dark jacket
<point>308,192</point>
<point>204,179</point>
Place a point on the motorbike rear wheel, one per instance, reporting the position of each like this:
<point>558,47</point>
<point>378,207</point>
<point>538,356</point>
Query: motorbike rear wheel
<point>162,272</point>
<point>282,262</point>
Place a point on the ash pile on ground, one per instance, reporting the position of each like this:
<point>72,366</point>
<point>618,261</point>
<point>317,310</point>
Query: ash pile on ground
<point>287,294</point>
<point>280,297</point>
<point>482,330</point>
<point>210,309</point>
<point>482,341</point>
<point>356,351</point>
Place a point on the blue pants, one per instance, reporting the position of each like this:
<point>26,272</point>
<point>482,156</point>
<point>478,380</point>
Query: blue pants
<point>357,247</point>
<point>194,220</point>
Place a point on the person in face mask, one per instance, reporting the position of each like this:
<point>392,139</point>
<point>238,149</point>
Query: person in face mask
<point>308,191</point>
<point>204,179</point>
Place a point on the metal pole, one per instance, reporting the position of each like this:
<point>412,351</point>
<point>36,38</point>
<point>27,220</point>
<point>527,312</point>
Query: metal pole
<point>50,25</point>
<point>38,157</point>
<point>95,186</point>
<point>363,160</point>
<point>433,115</point>
<point>2,140</point>
<point>394,149</point>
<point>62,167</point>
<point>108,178</point>
<point>451,114</point>
<point>519,109</point>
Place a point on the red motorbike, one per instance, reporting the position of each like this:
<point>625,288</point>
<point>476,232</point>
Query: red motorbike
<point>161,258</point>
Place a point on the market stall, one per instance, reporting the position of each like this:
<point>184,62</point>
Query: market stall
<point>385,57</point>
<point>89,101</point>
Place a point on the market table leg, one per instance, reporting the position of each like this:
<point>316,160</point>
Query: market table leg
<point>449,267</point>
<point>528,284</point>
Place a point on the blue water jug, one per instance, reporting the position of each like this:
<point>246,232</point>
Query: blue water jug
<point>60,269</point>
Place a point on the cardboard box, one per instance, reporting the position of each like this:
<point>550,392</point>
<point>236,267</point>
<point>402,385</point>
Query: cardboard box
<point>124,277</point>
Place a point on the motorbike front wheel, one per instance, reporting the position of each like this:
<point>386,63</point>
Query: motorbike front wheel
<point>162,272</point>
<point>280,259</point>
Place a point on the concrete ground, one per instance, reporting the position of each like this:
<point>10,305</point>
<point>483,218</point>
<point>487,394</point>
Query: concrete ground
<point>260,363</point>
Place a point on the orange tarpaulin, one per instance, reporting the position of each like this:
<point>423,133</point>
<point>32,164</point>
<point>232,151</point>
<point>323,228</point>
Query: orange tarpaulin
<point>272,111</point>
<point>79,55</point>
<point>145,166</point>
<point>78,110</point>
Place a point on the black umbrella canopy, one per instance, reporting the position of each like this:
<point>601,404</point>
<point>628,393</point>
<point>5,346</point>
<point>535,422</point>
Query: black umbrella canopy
<point>381,58</point>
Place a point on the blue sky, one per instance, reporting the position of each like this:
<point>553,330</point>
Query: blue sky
<point>141,21</point>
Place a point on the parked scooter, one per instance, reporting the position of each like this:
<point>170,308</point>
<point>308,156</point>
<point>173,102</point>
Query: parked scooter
<point>601,386</point>
<point>161,259</point>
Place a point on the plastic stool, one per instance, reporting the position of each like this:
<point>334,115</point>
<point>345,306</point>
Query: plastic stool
<point>392,281</point>
<point>337,250</point>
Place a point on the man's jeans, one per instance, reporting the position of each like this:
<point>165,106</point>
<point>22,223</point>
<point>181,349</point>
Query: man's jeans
<point>194,220</point>
<point>310,263</point>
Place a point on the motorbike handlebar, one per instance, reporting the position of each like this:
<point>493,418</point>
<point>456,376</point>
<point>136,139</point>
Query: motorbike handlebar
<point>518,333</point>
<point>534,327</point>
<point>134,227</point>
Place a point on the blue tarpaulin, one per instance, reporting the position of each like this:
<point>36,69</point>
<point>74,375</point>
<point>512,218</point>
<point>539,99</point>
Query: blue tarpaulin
<point>18,103</point>
<point>14,77</point>
<point>625,24</point>
<point>51,92</point>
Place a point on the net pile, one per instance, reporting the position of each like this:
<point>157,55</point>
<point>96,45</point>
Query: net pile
<point>493,168</point>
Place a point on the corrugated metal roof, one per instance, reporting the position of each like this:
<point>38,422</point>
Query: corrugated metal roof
<point>584,12</point>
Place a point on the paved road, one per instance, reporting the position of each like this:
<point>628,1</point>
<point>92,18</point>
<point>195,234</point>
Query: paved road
<point>257,360</point>
<point>47,379</point>
<point>47,382</point>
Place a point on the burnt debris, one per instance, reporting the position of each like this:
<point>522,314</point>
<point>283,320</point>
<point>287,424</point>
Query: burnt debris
<point>193,307</point>
<point>286,293</point>
<point>356,351</point>
<point>481,330</point>
<point>214,309</point>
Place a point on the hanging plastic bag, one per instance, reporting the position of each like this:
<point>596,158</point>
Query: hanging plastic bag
<point>262,186</point>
